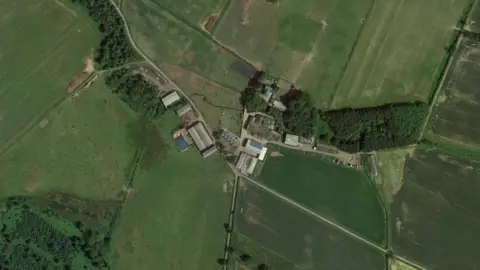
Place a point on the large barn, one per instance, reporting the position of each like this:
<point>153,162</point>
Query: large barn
<point>200,136</point>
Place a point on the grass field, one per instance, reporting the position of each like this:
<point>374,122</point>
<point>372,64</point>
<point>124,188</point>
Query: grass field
<point>391,166</point>
<point>259,254</point>
<point>45,43</point>
<point>299,237</point>
<point>436,213</point>
<point>392,62</point>
<point>217,104</point>
<point>307,44</point>
<point>455,116</point>
<point>195,12</point>
<point>175,218</point>
<point>344,195</point>
<point>83,150</point>
<point>165,39</point>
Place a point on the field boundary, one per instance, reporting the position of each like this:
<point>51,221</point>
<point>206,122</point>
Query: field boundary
<point>319,217</point>
<point>344,69</point>
<point>458,37</point>
<point>30,126</point>
<point>221,16</point>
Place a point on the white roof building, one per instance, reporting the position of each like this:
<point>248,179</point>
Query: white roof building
<point>170,98</point>
<point>291,139</point>
<point>246,163</point>
<point>262,154</point>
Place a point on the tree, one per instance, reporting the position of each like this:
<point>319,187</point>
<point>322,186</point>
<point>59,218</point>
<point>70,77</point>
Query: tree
<point>245,257</point>
<point>263,266</point>
<point>251,100</point>
<point>221,261</point>
<point>301,117</point>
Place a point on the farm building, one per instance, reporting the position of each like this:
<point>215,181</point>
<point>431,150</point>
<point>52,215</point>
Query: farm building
<point>184,109</point>
<point>181,143</point>
<point>279,105</point>
<point>200,136</point>
<point>209,151</point>
<point>291,139</point>
<point>267,94</point>
<point>170,98</point>
<point>256,149</point>
<point>246,163</point>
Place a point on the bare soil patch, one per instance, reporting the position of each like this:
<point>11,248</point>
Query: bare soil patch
<point>210,23</point>
<point>245,11</point>
<point>276,154</point>
<point>43,123</point>
<point>80,78</point>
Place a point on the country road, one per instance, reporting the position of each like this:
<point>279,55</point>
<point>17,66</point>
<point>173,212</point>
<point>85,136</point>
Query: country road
<point>157,69</point>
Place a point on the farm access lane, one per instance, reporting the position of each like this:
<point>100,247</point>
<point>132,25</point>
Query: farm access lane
<point>157,69</point>
<point>445,71</point>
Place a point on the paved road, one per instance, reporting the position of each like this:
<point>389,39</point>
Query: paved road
<point>156,68</point>
<point>231,217</point>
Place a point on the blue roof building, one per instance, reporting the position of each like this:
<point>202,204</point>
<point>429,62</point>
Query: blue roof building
<point>181,143</point>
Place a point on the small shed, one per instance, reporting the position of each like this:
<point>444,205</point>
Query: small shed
<point>170,98</point>
<point>291,139</point>
<point>184,109</point>
<point>181,143</point>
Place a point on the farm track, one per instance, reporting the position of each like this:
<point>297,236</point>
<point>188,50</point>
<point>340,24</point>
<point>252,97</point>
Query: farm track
<point>322,218</point>
<point>445,72</point>
<point>30,126</point>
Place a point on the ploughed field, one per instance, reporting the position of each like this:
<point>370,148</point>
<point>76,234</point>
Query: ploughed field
<point>436,214</point>
<point>456,114</point>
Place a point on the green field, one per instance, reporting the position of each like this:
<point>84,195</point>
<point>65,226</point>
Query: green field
<point>344,195</point>
<point>297,236</point>
<point>455,117</point>
<point>194,12</point>
<point>436,214</point>
<point>258,253</point>
<point>307,44</point>
<point>174,220</point>
<point>36,64</point>
<point>165,39</point>
<point>400,53</point>
<point>83,150</point>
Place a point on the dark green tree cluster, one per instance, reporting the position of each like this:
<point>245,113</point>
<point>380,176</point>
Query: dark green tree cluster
<point>251,100</point>
<point>301,117</point>
<point>27,241</point>
<point>141,95</point>
<point>368,129</point>
<point>114,49</point>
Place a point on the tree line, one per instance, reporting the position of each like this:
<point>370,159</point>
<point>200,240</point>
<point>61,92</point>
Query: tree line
<point>350,129</point>
<point>114,49</point>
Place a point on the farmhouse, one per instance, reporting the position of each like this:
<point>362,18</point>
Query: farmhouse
<point>200,136</point>
<point>291,139</point>
<point>246,163</point>
<point>170,98</point>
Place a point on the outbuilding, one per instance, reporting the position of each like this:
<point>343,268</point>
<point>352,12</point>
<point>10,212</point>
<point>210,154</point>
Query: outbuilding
<point>170,98</point>
<point>291,139</point>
